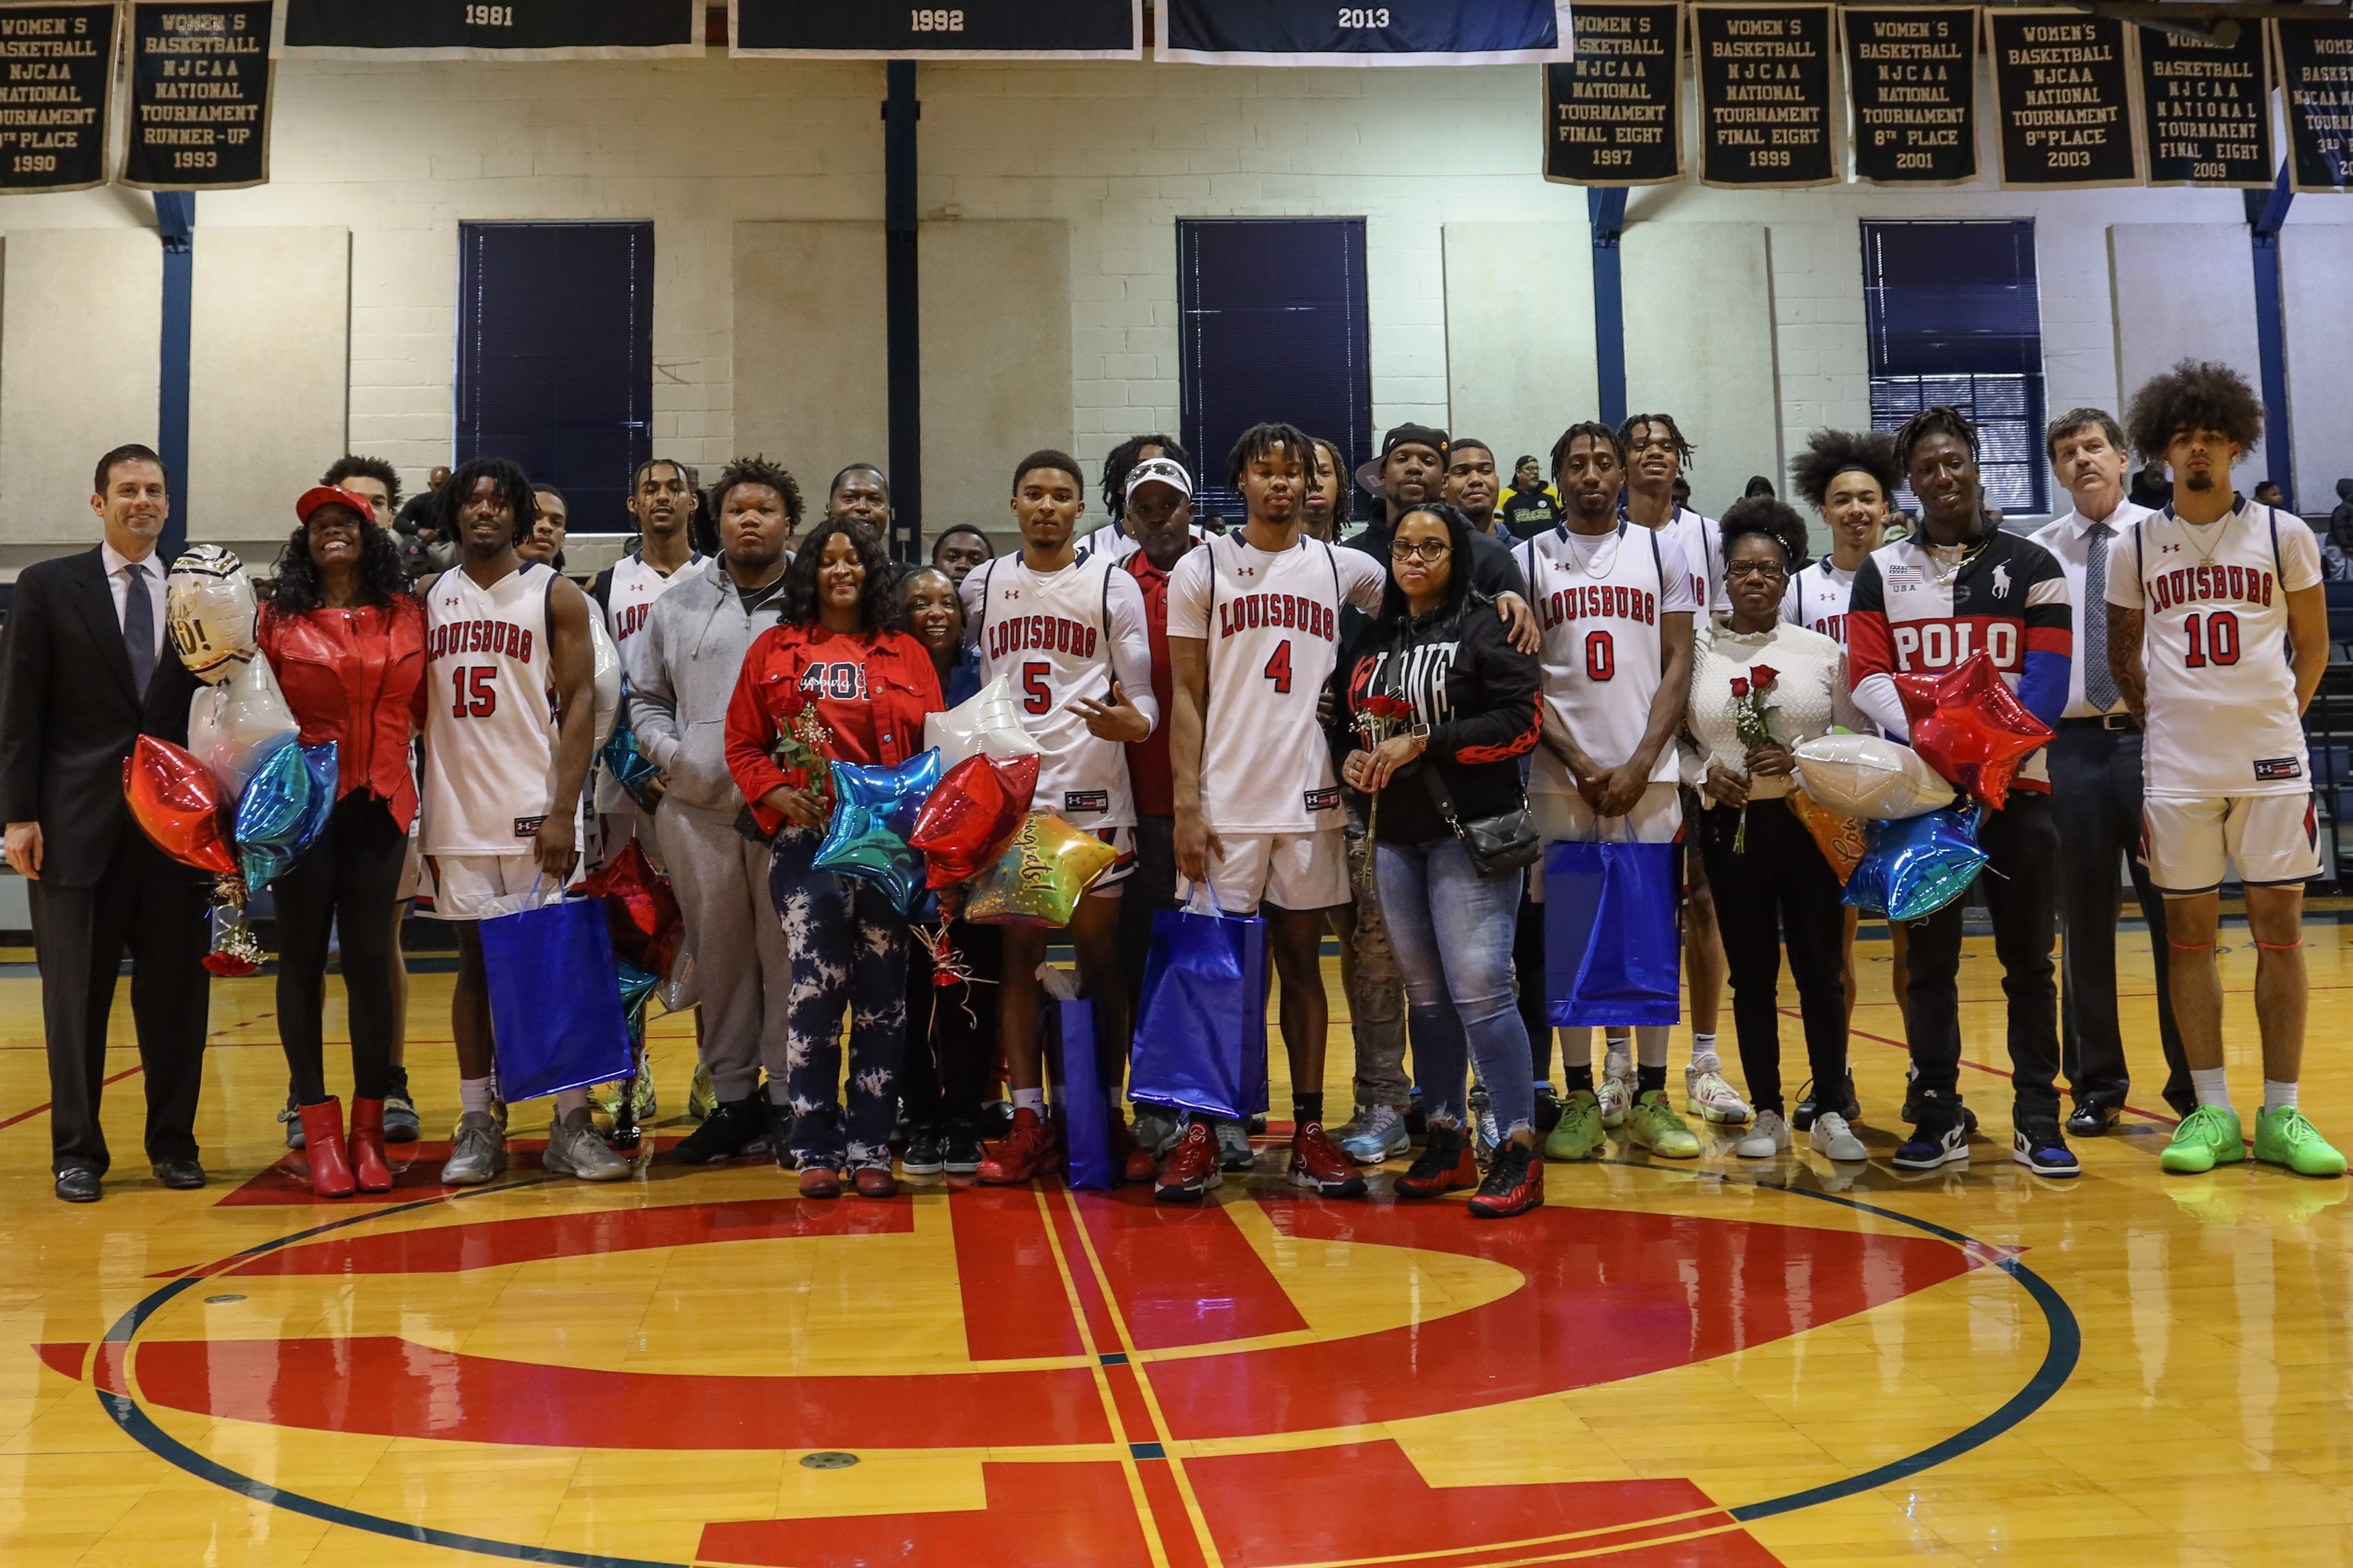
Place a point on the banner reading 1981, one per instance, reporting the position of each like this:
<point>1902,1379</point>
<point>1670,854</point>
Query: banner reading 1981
<point>2063,87</point>
<point>2315,74</point>
<point>54,108</point>
<point>930,30</point>
<point>1766,109</point>
<point>2206,110</point>
<point>1912,76</point>
<point>505,30</point>
<point>1613,116</point>
<point>199,95</point>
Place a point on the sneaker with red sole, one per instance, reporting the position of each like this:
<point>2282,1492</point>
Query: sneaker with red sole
<point>1136,1162</point>
<point>1316,1161</point>
<point>1446,1164</point>
<point>1191,1168</point>
<point>1515,1184</point>
<point>1023,1154</point>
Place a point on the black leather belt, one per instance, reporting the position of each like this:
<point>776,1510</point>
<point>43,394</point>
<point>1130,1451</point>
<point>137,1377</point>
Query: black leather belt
<point>2104,721</point>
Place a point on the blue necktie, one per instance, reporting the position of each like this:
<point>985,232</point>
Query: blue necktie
<point>139,625</point>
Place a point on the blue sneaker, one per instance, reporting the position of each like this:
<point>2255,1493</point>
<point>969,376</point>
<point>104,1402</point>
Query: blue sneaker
<point>2042,1149</point>
<point>1930,1147</point>
<point>1378,1134</point>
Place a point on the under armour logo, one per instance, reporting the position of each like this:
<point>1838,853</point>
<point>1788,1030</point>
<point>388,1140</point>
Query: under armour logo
<point>2168,550</point>
<point>1012,593</point>
<point>1245,571</point>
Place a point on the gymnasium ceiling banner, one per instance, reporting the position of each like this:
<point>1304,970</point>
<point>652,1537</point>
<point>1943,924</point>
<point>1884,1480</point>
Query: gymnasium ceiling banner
<point>1766,115</point>
<point>987,30</point>
<point>2316,75</point>
<point>2063,88</point>
<point>512,30</point>
<point>57,104</point>
<point>2206,110</point>
<point>1912,89</point>
<point>1613,115</point>
<point>199,95</point>
<point>1319,33</point>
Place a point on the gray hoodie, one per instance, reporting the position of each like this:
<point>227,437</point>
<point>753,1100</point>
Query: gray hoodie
<point>695,643</point>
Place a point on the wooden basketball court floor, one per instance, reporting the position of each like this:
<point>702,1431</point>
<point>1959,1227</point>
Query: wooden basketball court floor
<point>1720,1362</point>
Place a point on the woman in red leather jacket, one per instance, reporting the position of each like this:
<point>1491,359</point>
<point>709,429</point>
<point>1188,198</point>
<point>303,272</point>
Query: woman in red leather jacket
<point>346,641</point>
<point>838,655</point>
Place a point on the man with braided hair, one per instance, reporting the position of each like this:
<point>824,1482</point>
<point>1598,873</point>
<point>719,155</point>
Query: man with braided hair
<point>2216,608</point>
<point>1928,603</point>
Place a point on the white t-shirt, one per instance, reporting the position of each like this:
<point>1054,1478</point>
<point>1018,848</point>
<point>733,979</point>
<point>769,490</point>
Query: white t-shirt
<point>1271,623</point>
<point>2221,693</point>
<point>1599,599</point>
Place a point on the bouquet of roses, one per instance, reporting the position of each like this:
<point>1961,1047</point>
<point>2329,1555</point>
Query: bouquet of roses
<point>1380,716</point>
<point>802,746</point>
<point>1752,720</point>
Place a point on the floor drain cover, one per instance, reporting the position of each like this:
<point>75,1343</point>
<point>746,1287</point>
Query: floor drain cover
<point>831,1459</point>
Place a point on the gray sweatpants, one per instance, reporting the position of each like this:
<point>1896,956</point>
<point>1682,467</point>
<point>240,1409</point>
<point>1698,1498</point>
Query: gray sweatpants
<point>743,971</point>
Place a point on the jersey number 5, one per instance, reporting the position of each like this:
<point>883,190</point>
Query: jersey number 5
<point>1600,655</point>
<point>1278,666</point>
<point>1035,698</point>
<point>477,697</point>
<point>2219,644</point>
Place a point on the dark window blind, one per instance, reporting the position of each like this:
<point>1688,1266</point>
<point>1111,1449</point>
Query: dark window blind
<point>555,357</point>
<point>1272,327</point>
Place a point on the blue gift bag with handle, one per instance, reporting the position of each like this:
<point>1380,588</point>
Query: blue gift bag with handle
<point>555,998</point>
<point>1610,951</point>
<point>1201,1031</point>
<point>1086,1107</point>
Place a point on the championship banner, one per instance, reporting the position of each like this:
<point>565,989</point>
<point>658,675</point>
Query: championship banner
<point>2062,88</point>
<point>2316,77</point>
<point>460,30</point>
<point>983,30</point>
<point>199,95</point>
<point>1765,95</point>
<point>2206,110</point>
<point>1911,89</point>
<point>1613,115</point>
<point>1314,33</point>
<point>56,106</point>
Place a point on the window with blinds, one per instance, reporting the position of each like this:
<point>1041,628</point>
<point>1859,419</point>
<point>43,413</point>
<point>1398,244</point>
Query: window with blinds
<point>555,357</point>
<point>1954,318</point>
<point>1272,326</point>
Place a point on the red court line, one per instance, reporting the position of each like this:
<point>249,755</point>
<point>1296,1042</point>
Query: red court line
<point>126,1073</point>
<point>27,1115</point>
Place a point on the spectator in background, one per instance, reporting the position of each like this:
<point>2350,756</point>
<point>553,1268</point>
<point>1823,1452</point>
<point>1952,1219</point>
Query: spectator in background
<point>861,496</point>
<point>544,543</point>
<point>1681,491</point>
<point>957,550</point>
<point>1470,484</point>
<point>2268,493</point>
<point>1324,512</point>
<point>1530,506</point>
<point>2339,539</point>
<point>2152,487</point>
<point>1759,485</point>
<point>416,531</point>
<point>1119,464</point>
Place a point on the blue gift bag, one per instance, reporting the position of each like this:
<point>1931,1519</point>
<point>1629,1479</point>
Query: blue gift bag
<point>1085,1107</point>
<point>1610,952</point>
<point>1201,1031</point>
<point>555,999</point>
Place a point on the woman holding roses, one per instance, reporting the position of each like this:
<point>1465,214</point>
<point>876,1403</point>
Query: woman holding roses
<point>1760,687</point>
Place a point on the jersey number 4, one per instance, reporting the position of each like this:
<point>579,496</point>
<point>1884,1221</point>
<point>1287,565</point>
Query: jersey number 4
<point>1278,666</point>
<point>2217,644</point>
<point>477,695</point>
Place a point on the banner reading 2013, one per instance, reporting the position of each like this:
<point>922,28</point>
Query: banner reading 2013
<point>54,107</point>
<point>199,95</point>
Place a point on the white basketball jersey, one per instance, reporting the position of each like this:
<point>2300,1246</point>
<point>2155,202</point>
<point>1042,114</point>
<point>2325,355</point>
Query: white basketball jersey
<point>2220,694</point>
<point>1050,636</point>
<point>630,603</point>
<point>1599,598</point>
<point>1271,622</point>
<point>490,719</point>
<point>1701,539</point>
<point>1816,600</point>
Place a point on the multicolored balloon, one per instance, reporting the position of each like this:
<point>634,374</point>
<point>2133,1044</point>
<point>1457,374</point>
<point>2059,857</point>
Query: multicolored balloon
<point>1916,866</point>
<point>1971,726</point>
<point>1870,776</point>
<point>279,815</point>
<point>624,763</point>
<point>1041,876</point>
<point>860,843</point>
<point>641,913</point>
<point>970,815</point>
<point>176,802</point>
<point>1839,836</point>
<point>895,796</point>
<point>987,721</point>
<point>235,725</point>
<point>208,608</point>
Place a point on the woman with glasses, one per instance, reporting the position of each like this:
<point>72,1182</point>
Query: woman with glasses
<point>1438,708</point>
<point>1773,885</point>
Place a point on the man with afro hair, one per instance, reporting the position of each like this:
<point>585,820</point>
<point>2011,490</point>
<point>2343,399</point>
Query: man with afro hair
<point>2218,633</point>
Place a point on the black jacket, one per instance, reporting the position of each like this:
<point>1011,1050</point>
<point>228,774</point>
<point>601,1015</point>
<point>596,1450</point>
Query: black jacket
<point>1478,694</point>
<point>69,715</point>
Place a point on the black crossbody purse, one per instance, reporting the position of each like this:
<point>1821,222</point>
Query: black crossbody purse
<point>1505,842</point>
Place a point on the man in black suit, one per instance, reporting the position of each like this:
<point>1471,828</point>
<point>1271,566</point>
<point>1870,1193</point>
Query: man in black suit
<point>86,670</point>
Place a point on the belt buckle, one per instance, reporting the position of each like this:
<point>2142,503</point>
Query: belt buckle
<point>2115,721</point>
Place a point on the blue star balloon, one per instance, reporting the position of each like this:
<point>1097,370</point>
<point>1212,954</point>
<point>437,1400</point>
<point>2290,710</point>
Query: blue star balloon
<point>1915,866</point>
<point>283,810</point>
<point>629,767</point>
<point>874,810</point>
<point>895,796</point>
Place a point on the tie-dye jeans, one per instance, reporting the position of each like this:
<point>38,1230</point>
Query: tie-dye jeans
<point>848,952</point>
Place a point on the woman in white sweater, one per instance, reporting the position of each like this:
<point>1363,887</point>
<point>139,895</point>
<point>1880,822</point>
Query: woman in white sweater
<point>1781,684</point>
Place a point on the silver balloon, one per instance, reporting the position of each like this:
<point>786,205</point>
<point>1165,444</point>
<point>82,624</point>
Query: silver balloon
<point>987,722</point>
<point>208,607</point>
<point>1871,776</point>
<point>608,677</point>
<point>233,727</point>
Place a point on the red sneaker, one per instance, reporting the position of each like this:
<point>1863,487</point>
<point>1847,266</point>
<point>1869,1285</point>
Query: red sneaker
<point>820,1182</point>
<point>1023,1154</point>
<point>1515,1185</point>
<point>1136,1164</point>
<point>1191,1168</point>
<point>874,1182</point>
<point>1445,1164</point>
<point>1316,1161</point>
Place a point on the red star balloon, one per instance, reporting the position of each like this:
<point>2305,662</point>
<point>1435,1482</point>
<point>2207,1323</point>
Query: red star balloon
<point>176,802</point>
<point>968,819</point>
<point>1971,726</point>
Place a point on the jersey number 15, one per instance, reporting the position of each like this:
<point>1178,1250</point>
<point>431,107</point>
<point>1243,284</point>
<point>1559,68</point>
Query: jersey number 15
<point>477,695</point>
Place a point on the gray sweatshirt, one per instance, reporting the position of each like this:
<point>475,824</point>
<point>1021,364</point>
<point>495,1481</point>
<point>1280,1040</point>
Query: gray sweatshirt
<point>695,643</point>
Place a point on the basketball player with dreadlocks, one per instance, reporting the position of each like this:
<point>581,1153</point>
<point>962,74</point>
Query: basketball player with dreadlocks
<point>2216,609</point>
<point>1928,603</point>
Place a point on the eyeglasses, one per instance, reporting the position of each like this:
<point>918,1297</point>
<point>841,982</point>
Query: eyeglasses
<point>1428,550</point>
<point>1755,568</point>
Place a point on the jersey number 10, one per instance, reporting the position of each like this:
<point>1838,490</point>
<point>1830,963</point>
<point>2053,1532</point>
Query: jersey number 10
<point>2218,643</point>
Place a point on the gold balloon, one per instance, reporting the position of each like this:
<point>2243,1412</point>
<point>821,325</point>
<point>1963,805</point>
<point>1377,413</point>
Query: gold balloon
<point>1040,875</point>
<point>1839,835</point>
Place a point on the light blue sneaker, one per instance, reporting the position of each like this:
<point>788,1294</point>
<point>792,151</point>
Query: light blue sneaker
<point>1378,1134</point>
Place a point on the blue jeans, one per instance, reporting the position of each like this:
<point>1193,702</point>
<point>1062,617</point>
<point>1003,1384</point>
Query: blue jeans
<point>1451,930</point>
<point>849,954</point>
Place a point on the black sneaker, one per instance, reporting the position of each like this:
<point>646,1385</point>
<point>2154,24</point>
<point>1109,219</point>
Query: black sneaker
<point>292,1117</point>
<point>924,1155</point>
<point>2039,1145</point>
<point>2093,1119</point>
<point>401,1124</point>
<point>1944,1141</point>
<point>960,1148</point>
<point>1416,1121</point>
<point>996,1120</point>
<point>1547,1112</point>
<point>731,1130</point>
<point>1809,1106</point>
<point>780,1132</point>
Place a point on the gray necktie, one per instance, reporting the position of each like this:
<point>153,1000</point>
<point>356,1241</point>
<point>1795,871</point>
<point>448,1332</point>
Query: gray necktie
<point>139,625</point>
<point>2099,686</point>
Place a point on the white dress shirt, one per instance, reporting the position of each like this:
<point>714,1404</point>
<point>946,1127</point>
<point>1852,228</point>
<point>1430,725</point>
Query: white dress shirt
<point>2066,537</point>
<point>117,584</point>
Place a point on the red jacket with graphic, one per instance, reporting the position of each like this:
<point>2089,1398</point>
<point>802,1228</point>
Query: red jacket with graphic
<point>870,691</point>
<point>353,677</point>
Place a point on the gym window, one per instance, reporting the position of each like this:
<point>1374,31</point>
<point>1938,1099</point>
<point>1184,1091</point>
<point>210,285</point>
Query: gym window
<point>1955,317</point>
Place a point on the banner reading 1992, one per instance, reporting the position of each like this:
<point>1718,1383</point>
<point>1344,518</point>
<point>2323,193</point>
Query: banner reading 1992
<point>929,30</point>
<point>502,30</point>
<point>2063,87</point>
<point>2206,110</point>
<point>1613,116</point>
<point>1765,107</point>
<point>54,108</point>
<point>199,95</point>
<point>1911,75</point>
<point>2315,75</point>
<point>1326,33</point>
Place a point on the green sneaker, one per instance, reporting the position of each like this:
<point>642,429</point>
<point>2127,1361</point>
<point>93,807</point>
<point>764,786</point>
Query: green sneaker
<point>2209,1136</point>
<point>702,1099</point>
<point>1577,1134</point>
<point>2283,1137</point>
<point>1653,1125</point>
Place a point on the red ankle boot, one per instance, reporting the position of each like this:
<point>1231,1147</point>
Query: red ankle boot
<point>323,1140</point>
<point>369,1165</point>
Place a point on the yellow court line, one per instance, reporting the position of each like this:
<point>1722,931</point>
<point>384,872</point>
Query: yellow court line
<point>1136,1492</point>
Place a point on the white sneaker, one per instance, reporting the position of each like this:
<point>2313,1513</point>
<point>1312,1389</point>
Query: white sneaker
<point>574,1148</point>
<point>476,1153</point>
<point>1769,1136</point>
<point>1708,1097</point>
<point>1617,1099</point>
<point>1833,1138</point>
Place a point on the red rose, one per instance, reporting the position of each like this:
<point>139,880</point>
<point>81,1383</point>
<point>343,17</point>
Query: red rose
<point>1763,674</point>
<point>1739,687</point>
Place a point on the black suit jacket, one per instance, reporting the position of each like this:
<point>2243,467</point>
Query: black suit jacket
<point>68,714</point>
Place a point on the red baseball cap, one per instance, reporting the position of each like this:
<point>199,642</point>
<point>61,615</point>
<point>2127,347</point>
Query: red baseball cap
<point>318,496</point>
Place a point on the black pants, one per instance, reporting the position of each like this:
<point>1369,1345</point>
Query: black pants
<point>1779,892</point>
<point>154,907</point>
<point>1151,887</point>
<point>1528,974</point>
<point>951,1030</point>
<point>2021,846</point>
<point>349,880</point>
<point>2095,792</point>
